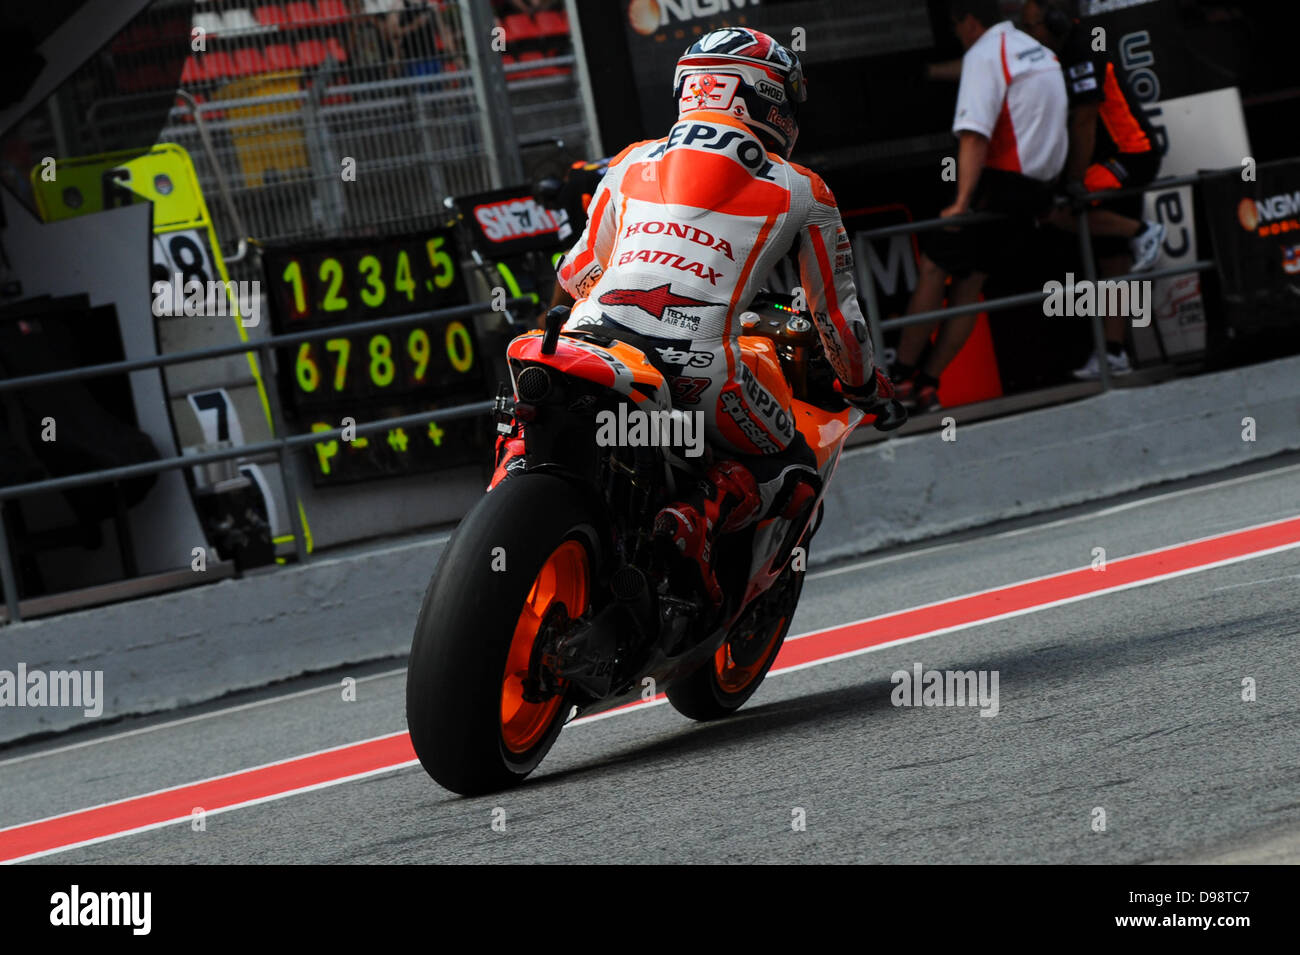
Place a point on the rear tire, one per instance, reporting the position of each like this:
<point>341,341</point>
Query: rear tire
<point>725,681</point>
<point>474,639</point>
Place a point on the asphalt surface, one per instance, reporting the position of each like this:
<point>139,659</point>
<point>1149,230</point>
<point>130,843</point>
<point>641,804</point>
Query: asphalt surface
<point>1128,702</point>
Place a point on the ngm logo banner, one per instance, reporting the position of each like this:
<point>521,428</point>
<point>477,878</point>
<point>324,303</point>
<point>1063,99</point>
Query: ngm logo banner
<point>1255,227</point>
<point>650,16</point>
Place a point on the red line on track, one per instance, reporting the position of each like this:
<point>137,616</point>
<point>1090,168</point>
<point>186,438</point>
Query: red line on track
<point>389,752</point>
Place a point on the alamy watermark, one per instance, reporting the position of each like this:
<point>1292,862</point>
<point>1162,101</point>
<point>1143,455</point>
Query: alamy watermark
<point>179,297</point>
<point>82,689</point>
<point>633,428</point>
<point>75,907</point>
<point>1084,299</point>
<point>921,687</point>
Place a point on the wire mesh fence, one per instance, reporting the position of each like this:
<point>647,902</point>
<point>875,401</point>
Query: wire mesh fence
<point>319,118</point>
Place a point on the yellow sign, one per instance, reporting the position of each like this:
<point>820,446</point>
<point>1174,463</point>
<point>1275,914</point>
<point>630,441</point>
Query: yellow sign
<point>163,175</point>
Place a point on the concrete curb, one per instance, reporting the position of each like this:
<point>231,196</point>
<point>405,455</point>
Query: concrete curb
<point>163,652</point>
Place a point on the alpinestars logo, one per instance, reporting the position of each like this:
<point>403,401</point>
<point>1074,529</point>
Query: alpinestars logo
<point>653,300</point>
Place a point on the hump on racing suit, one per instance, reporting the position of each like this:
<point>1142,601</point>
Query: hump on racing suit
<point>684,230</point>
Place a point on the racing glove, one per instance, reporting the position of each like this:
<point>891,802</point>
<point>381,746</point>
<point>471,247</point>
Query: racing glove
<point>876,397</point>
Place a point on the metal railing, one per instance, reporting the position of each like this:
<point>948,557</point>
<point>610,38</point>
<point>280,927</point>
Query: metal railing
<point>281,446</point>
<point>285,444</point>
<point>1089,264</point>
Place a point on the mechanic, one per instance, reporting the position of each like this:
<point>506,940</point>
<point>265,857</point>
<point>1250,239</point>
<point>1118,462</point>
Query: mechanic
<point>682,232</point>
<point>1010,117</point>
<point>1112,146</point>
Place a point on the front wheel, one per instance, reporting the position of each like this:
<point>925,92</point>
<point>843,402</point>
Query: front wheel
<point>518,571</point>
<point>729,678</point>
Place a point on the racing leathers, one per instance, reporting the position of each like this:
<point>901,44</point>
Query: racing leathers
<point>682,233</point>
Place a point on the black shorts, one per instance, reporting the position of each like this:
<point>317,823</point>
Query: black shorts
<point>991,246</point>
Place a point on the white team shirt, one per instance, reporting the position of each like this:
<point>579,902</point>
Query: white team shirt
<point>1013,92</point>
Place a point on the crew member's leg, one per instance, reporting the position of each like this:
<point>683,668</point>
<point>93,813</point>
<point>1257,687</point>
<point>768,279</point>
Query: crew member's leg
<point>1125,242</point>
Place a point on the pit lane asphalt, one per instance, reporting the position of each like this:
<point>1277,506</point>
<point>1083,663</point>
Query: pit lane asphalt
<point>1129,701</point>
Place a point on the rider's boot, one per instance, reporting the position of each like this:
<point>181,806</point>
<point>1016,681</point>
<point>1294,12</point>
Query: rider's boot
<point>729,502</point>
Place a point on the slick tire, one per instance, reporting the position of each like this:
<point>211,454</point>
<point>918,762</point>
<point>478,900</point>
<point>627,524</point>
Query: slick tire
<point>476,635</point>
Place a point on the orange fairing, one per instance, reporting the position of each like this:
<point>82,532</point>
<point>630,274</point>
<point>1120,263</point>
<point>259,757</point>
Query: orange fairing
<point>759,355</point>
<point>822,429</point>
<point>618,366</point>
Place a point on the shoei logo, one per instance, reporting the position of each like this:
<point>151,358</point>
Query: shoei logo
<point>647,16</point>
<point>769,90</point>
<point>517,219</point>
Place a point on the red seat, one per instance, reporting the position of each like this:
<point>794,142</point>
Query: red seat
<point>331,11</point>
<point>193,71</point>
<point>552,23</point>
<point>249,62</point>
<point>280,56</point>
<point>529,57</point>
<point>520,26</point>
<point>271,16</point>
<point>336,50</point>
<point>302,13</point>
<point>310,53</point>
<point>218,65</point>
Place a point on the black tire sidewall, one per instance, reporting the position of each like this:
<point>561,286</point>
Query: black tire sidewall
<point>467,622</point>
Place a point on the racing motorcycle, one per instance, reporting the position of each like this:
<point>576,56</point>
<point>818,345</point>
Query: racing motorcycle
<point>551,599</point>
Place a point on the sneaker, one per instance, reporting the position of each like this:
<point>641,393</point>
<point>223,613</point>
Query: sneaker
<point>1118,365</point>
<point>1145,246</point>
<point>917,399</point>
<point>922,400</point>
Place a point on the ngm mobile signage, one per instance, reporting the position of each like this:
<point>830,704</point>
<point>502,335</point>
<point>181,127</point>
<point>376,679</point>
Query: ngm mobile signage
<point>647,16</point>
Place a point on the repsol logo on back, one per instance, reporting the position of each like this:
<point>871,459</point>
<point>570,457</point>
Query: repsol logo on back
<point>681,231</point>
<point>742,147</point>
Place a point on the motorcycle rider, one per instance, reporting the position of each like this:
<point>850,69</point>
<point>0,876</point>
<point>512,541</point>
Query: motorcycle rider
<point>682,233</point>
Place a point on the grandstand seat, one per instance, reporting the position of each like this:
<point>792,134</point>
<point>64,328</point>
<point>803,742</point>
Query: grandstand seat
<point>239,21</point>
<point>218,65</point>
<point>520,26</point>
<point>552,23</point>
<point>249,62</point>
<point>192,72</point>
<point>271,16</point>
<point>302,13</point>
<point>210,23</point>
<point>336,50</point>
<point>530,56</point>
<point>331,11</point>
<point>280,56</point>
<point>310,53</point>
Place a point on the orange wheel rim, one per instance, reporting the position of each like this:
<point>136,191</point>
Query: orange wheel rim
<point>734,676</point>
<point>562,579</point>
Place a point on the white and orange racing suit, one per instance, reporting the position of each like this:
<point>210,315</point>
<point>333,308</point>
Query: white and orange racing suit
<point>682,233</point>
